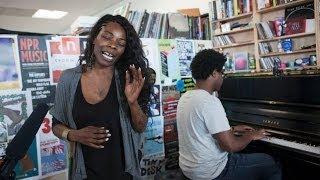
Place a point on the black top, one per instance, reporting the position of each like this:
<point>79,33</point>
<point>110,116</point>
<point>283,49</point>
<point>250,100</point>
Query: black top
<point>106,163</point>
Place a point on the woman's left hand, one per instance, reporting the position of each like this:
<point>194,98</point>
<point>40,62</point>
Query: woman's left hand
<point>133,88</point>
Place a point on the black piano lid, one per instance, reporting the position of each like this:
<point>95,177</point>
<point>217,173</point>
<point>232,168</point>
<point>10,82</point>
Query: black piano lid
<point>304,90</point>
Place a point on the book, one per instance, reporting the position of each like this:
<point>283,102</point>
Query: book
<point>240,61</point>
<point>178,26</point>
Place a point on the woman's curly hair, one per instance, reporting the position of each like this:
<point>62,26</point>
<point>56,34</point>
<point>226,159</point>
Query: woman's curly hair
<point>133,54</point>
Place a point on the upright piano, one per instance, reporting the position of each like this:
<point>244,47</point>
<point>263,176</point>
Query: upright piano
<point>288,107</point>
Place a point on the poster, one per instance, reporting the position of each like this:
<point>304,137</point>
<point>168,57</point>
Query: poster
<point>151,51</point>
<point>33,62</point>
<point>200,45</point>
<point>154,137</point>
<point>10,76</point>
<point>172,155</point>
<point>170,98</point>
<point>186,53</point>
<point>187,85</point>
<point>15,108</point>
<point>43,94</point>
<point>53,151</point>
<point>169,60</point>
<point>64,54</point>
<point>155,101</point>
<point>35,68</point>
<point>152,165</point>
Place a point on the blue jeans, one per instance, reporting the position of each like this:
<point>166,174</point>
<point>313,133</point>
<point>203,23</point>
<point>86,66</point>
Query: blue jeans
<point>256,166</point>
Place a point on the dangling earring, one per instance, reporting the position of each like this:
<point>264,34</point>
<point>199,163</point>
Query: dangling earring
<point>91,60</point>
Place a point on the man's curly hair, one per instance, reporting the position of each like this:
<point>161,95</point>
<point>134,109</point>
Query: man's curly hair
<point>205,62</point>
<point>133,54</point>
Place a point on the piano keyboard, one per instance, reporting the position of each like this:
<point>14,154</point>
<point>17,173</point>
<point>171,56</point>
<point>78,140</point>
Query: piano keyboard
<point>292,144</point>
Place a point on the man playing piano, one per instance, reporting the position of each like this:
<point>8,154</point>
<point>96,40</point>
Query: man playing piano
<point>207,144</point>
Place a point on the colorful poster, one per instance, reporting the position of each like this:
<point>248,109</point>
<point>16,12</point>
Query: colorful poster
<point>186,53</point>
<point>188,84</point>
<point>53,151</point>
<point>64,54</point>
<point>10,76</point>
<point>154,137</point>
<point>151,51</point>
<point>170,98</point>
<point>170,71</point>
<point>53,159</point>
<point>202,44</point>
<point>15,108</point>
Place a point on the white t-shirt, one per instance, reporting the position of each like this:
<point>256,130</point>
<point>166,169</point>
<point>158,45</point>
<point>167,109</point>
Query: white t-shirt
<point>200,115</point>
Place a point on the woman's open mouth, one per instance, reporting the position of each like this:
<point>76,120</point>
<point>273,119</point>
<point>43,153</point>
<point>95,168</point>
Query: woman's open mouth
<point>107,56</point>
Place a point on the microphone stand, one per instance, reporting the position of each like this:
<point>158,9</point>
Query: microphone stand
<point>7,168</point>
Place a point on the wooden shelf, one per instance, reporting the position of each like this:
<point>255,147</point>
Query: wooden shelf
<point>305,70</point>
<point>283,53</point>
<point>283,6</point>
<point>234,45</point>
<point>241,16</point>
<point>234,31</point>
<point>287,36</point>
<point>250,33</point>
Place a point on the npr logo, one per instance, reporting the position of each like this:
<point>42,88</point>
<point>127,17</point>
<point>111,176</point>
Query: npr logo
<point>71,45</point>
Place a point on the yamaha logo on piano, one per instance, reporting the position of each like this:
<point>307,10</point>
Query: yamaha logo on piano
<point>271,122</point>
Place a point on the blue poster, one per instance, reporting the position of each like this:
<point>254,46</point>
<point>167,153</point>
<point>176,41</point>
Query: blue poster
<point>154,136</point>
<point>53,158</point>
<point>9,69</point>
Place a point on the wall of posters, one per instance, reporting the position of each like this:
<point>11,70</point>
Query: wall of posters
<point>30,68</point>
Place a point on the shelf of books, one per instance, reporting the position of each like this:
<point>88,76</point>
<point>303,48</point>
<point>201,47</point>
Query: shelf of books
<point>170,25</point>
<point>265,6</point>
<point>288,36</point>
<point>234,31</point>
<point>283,34</point>
<point>288,53</point>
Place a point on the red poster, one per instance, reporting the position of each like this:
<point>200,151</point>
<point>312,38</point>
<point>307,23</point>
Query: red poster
<point>70,45</point>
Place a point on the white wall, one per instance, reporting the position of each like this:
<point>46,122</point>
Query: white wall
<point>161,6</point>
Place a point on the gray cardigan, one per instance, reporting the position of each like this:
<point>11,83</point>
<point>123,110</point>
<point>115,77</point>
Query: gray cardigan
<point>62,111</point>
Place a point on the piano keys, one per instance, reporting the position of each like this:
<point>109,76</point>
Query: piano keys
<point>294,145</point>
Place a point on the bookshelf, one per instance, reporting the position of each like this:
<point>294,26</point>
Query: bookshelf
<point>235,45</point>
<point>249,38</point>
